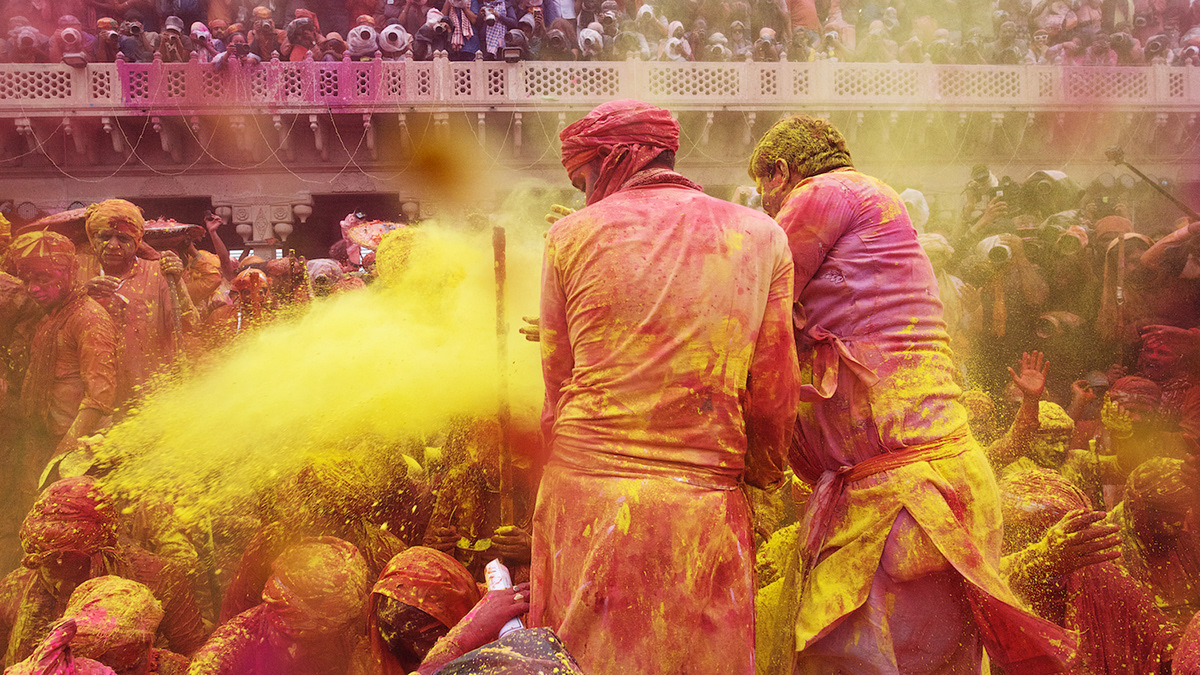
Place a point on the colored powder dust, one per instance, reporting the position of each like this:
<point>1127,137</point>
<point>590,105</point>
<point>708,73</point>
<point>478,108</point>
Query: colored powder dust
<point>387,367</point>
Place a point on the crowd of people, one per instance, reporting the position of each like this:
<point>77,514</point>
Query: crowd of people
<point>1040,336</point>
<point>1045,32</point>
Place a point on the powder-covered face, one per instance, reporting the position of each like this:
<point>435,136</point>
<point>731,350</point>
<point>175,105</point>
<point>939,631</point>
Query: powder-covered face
<point>1049,448</point>
<point>47,284</point>
<point>774,189</point>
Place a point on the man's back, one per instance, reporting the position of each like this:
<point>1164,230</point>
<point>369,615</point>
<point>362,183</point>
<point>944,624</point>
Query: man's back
<point>662,292</point>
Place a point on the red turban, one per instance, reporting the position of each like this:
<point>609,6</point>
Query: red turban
<point>116,214</point>
<point>1139,391</point>
<point>1032,501</point>
<point>428,580</point>
<point>41,248</point>
<point>634,132</point>
<point>318,585</point>
<point>72,514</point>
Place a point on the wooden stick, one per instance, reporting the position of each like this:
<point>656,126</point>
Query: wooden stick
<point>504,415</point>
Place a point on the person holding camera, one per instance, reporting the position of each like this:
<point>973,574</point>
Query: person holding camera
<point>206,47</point>
<point>173,47</point>
<point>433,36</point>
<point>265,41</point>
<point>496,18</point>
<point>464,38</point>
<point>70,41</point>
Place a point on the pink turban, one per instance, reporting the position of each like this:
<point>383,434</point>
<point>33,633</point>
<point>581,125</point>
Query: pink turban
<point>634,132</point>
<point>318,585</point>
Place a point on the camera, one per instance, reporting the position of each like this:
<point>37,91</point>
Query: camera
<point>135,29</point>
<point>240,49</point>
<point>830,36</point>
<point>1140,21</point>
<point>1156,45</point>
<point>515,45</point>
<point>489,16</point>
<point>71,38</point>
<point>608,19</point>
<point>441,28</point>
<point>25,42</point>
<point>556,40</point>
<point>994,250</point>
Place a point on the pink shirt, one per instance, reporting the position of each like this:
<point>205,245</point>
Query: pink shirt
<point>869,320</point>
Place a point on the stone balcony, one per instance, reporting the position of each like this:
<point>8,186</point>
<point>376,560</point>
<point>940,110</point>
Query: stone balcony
<point>285,129</point>
<point>372,87</point>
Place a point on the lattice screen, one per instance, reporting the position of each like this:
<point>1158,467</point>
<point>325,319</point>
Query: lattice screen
<point>101,84</point>
<point>866,81</point>
<point>545,79</point>
<point>461,80</point>
<point>768,82</point>
<point>972,83</point>
<point>497,81</point>
<point>1108,84</point>
<point>176,83</point>
<point>138,85</point>
<point>699,81</point>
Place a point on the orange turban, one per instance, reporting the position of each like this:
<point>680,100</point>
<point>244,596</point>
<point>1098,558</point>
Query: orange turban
<point>40,248</point>
<point>634,132</point>
<point>116,214</point>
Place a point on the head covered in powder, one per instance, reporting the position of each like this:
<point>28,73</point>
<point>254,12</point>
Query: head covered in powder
<point>318,588</point>
<point>1031,501</point>
<point>116,620</point>
<point>1052,418</point>
<point>421,594</point>
<point>115,214</point>
<point>808,145</point>
<point>1158,499</point>
<point>624,136</point>
<point>72,515</point>
<point>54,656</point>
<point>42,249</point>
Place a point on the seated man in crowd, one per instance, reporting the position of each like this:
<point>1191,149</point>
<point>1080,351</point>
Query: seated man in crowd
<point>70,536</point>
<point>308,623</point>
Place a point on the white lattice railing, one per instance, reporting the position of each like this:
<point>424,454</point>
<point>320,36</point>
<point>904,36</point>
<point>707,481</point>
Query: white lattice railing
<point>381,86</point>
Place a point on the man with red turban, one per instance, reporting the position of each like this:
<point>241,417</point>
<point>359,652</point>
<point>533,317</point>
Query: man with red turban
<point>670,378</point>
<point>70,536</point>
<point>426,610</point>
<point>901,536</point>
<point>146,298</point>
<point>70,385</point>
<point>309,623</point>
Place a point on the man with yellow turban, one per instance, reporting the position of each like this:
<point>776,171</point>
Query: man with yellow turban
<point>70,385</point>
<point>146,298</point>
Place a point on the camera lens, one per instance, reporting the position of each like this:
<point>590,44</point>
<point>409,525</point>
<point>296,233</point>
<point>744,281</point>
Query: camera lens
<point>1000,253</point>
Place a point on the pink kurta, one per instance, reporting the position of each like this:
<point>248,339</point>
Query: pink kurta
<point>670,381</point>
<point>870,334</point>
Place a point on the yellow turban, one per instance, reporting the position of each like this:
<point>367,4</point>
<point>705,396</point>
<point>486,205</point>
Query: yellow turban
<point>116,214</point>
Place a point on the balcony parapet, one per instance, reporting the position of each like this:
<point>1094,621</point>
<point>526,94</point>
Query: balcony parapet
<point>307,87</point>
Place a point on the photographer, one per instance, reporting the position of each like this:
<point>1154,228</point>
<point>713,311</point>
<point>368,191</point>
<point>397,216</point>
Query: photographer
<point>1099,52</point>
<point>1007,49</point>
<point>302,38</point>
<point>173,47</point>
<point>1128,49</point>
<point>738,44</point>
<point>876,47</point>
<point>412,13</point>
<point>237,49</point>
<point>766,47</point>
<point>559,44</point>
<point>265,40</point>
<point>833,48</point>
<point>497,17</point>
<point>591,44</point>
<point>464,39</point>
<point>70,40</point>
<point>630,44</point>
<point>433,36</point>
<point>27,45</point>
<point>107,44</point>
<point>134,43</point>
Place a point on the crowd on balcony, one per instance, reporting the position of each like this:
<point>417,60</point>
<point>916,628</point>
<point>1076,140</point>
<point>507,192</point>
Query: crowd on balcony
<point>1044,32</point>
